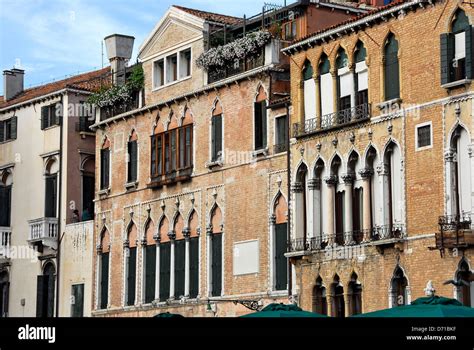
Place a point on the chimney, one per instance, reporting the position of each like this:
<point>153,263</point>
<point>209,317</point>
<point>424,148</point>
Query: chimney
<point>119,51</point>
<point>12,83</point>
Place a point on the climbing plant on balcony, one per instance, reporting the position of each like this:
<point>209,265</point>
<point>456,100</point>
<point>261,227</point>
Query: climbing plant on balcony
<point>119,94</point>
<point>225,55</point>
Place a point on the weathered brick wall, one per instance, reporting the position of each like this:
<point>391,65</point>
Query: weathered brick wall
<point>244,191</point>
<point>418,35</point>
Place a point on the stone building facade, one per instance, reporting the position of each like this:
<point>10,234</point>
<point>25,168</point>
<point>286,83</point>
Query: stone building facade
<point>199,227</point>
<point>381,159</point>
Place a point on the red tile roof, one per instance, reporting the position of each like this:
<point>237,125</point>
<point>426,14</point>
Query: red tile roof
<point>210,16</point>
<point>90,81</point>
<point>351,20</point>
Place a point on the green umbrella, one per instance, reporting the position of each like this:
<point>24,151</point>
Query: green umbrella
<point>433,306</point>
<point>167,314</point>
<point>283,310</point>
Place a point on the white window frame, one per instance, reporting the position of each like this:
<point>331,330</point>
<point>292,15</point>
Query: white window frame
<point>430,124</point>
<point>164,57</point>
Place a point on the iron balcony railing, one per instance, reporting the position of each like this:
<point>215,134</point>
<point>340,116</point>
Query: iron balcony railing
<point>376,234</point>
<point>455,231</point>
<point>333,120</point>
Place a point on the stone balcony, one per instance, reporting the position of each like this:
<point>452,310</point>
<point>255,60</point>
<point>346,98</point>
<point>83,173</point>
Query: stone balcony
<point>43,232</point>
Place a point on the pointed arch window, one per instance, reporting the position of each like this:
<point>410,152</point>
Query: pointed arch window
<point>260,119</point>
<point>362,75</point>
<point>465,288</point>
<point>165,260</point>
<point>216,252</point>
<point>399,288</point>
<point>193,255</point>
<point>391,68</point>
<point>326,88</point>
<point>320,304</point>
<point>179,258</point>
<point>280,211</point>
<point>4,293</point>
<point>337,291</point>
<point>355,295</point>
<point>105,165</point>
<point>103,273</point>
<point>217,133</point>
<point>132,158</point>
<point>5,201</point>
<point>345,86</point>
<point>150,262</point>
<point>131,265</point>
<point>45,294</point>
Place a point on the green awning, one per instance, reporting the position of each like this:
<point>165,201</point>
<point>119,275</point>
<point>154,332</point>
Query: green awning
<point>433,306</point>
<point>283,310</point>
<point>168,314</point>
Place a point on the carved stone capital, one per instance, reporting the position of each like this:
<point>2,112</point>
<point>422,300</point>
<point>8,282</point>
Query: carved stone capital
<point>297,187</point>
<point>186,233</point>
<point>126,243</point>
<point>348,178</point>
<point>157,237</point>
<point>314,184</point>
<point>209,230</point>
<point>172,235</point>
<point>449,156</point>
<point>272,220</point>
<point>331,180</point>
<point>366,173</point>
<point>383,169</point>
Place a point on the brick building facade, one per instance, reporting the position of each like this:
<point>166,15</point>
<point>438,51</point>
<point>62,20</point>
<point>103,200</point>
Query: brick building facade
<point>381,159</point>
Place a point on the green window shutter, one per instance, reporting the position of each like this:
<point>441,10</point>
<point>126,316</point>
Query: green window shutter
<point>50,196</point>
<point>77,309</point>
<point>391,70</point>
<point>216,265</point>
<point>2,130</point>
<point>153,156</point>
<point>104,281</point>
<point>133,159</point>
<point>182,147</point>
<point>150,276</point>
<point>165,262</point>
<point>44,117</point>
<point>179,263</point>
<point>189,146</point>
<point>41,284</point>
<point>281,263</point>
<point>57,112</point>
<point>104,168</point>
<point>469,53</point>
<point>447,54</point>
<point>193,267</point>
<point>5,205</point>
<point>131,275</point>
<point>14,127</point>
<point>216,137</point>
<point>213,138</point>
<point>258,125</point>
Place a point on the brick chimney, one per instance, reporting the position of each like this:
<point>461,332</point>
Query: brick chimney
<point>119,51</point>
<point>12,83</point>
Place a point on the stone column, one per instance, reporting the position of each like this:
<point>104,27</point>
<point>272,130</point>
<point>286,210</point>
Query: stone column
<point>383,171</point>
<point>209,262</point>
<point>142,282</point>
<point>314,186</point>
<point>450,201</point>
<point>348,219</point>
<point>301,117</point>
<point>186,234</point>
<point>298,214</point>
<point>331,182</point>
<point>318,100</point>
<point>126,254</point>
<point>353,93</point>
<point>172,236</point>
<point>334,93</point>
<point>347,304</point>
<point>157,237</point>
<point>330,301</point>
<point>366,175</point>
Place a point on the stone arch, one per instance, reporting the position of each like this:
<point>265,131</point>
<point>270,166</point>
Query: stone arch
<point>163,229</point>
<point>280,208</point>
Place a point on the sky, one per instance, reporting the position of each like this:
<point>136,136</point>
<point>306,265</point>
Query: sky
<point>52,39</point>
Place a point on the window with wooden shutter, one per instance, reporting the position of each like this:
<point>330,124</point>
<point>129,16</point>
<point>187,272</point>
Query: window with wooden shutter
<point>104,280</point>
<point>14,128</point>
<point>165,265</point>
<point>41,289</point>
<point>150,273</point>
<point>2,130</point>
<point>179,264</point>
<point>104,168</point>
<point>216,265</point>
<point>51,196</point>
<point>44,117</point>
<point>216,137</point>
<point>391,69</point>
<point>131,275</point>
<point>173,148</point>
<point>5,205</point>
<point>281,263</point>
<point>260,123</point>
<point>132,161</point>
<point>193,267</point>
<point>77,300</point>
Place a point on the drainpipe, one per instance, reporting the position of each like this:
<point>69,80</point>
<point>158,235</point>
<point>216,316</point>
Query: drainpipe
<point>288,183</point>
<point>60,183</point>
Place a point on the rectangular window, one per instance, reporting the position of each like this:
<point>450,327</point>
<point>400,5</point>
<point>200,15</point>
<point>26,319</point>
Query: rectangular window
<point>423,136</point>
<point>50,196</point>
<point>171,68</point>
<point>216,265</point>
<point>8,129</point>
<point>158,73</point>
<point>156,155</point>
<point>132,161</point>
<point>165,260</point>
<point>50,115</point>
<point>281,132</point>
<point>77,300</point>
<point>5,205</point>
<point>173,149</point>
<point>260,111</point>
<point>104,280</point>
<point>104,168</point>
<point>167,153</point>
<point>131,275</point>
<point>185,63</point>
<point>88,197</point>
<point>179,259</point>
<point>150,273</point>
<point>193,267</point>
<point>281,262</point>
<point>216,142</point>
